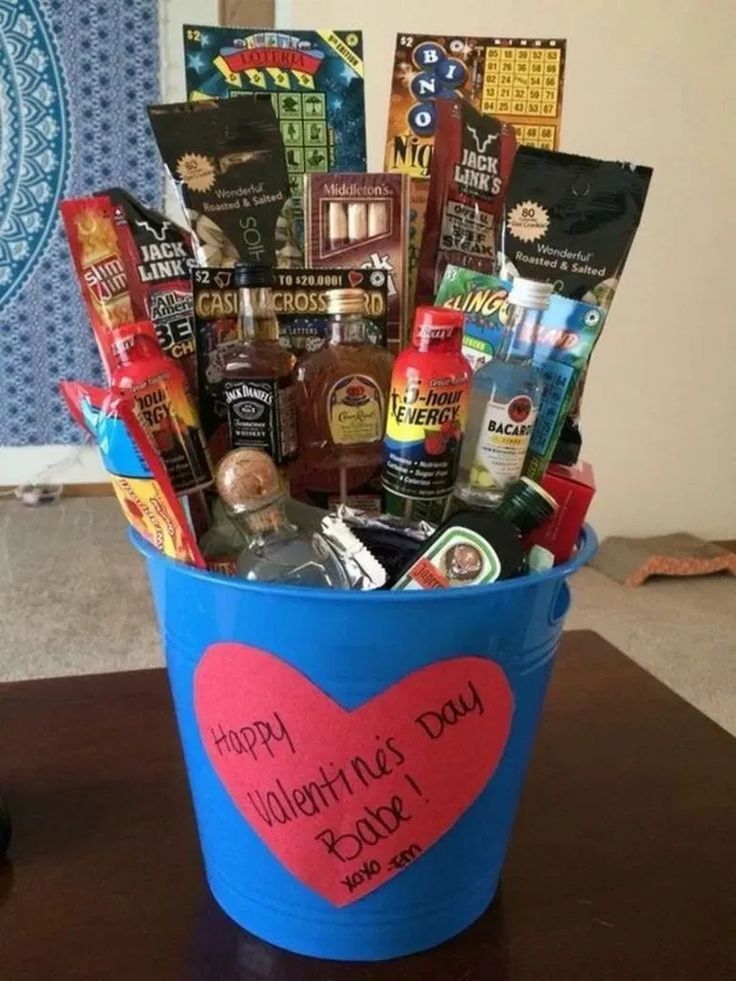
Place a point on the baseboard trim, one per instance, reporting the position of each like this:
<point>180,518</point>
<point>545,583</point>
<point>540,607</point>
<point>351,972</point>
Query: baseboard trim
<point>98,489</point>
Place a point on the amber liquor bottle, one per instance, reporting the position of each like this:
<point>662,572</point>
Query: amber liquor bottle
<point>342,395</point>
<point>258,380</point>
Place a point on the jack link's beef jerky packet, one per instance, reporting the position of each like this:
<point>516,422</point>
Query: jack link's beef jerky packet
<point>226,158</point>
<point>471,164</point>
<point>571,220</point>
<point>157,255</point>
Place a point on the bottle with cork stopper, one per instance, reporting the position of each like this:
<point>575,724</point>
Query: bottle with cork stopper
<point>342,394</point>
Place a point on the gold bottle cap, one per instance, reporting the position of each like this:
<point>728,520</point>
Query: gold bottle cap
<point>345,301</point>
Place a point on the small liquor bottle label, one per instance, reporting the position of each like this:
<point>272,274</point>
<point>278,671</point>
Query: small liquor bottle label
<point>503,442</point>
<point>355,410</point>
<point>426,418</point>
<point>261,415</point>
<point>459,557</point>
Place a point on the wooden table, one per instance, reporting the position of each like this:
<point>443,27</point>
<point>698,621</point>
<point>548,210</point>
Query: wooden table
<point>623,863</point>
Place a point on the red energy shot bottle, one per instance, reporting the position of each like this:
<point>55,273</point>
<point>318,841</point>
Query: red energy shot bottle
<point>426,417</point>
<point>163,404</point>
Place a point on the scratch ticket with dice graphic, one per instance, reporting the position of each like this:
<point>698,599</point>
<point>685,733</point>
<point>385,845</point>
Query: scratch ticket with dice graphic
<point>360,221</point>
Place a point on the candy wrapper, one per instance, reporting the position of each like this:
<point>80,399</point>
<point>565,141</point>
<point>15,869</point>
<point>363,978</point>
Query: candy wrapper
<point>157,256</point>
<point>470,172</point>
<point>100,266</point>
<point>567,334</point>
<point>139,479</point>
<point>393,541</point>
<point>362,568</point>
<point>226,159</point>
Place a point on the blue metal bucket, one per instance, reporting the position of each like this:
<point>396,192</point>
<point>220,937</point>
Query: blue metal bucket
<point>353,646</point>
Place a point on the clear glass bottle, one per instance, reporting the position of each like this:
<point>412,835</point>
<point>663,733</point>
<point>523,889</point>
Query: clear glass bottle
<point>342,394</point>
<point>258,382</point>
<point>276,550</point>
<point>504,400</point>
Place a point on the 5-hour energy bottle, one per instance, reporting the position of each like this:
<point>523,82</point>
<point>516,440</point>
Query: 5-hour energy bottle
<point>426,416</point>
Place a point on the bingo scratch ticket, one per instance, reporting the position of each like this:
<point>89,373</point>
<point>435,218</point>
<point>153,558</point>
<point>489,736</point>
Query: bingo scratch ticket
<point>316,83</point>
<point>518,80</point>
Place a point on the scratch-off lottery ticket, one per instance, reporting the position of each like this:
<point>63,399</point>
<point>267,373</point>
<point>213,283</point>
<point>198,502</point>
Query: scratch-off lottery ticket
<point>518,80</point>
<point>316,83</point>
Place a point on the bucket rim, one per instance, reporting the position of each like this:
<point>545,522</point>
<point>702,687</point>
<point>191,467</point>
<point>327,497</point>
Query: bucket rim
<point>586,547</point>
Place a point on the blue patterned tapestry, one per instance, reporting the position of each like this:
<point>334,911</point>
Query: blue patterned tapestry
<point>75,77</point>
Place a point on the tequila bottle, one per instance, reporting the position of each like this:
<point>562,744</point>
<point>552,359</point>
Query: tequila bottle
<point>504,400</point>
<point>276,550</point>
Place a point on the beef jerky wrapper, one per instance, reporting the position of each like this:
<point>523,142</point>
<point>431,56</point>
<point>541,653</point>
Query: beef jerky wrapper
<point>157,255</point>
<point>139,479</point>
<point>98,261</point>
<point>471,165</point>
<point>226,159</point>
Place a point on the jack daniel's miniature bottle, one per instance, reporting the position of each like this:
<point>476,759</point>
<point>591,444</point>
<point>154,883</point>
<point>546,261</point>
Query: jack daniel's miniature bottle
<point>258,388</point>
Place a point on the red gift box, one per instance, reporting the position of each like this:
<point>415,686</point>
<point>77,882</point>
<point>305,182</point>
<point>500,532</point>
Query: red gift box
<point>573,489</point>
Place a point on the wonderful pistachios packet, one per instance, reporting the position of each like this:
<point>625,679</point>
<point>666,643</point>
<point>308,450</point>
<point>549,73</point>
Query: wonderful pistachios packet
<point>226,159</point>
<point>570,221</point>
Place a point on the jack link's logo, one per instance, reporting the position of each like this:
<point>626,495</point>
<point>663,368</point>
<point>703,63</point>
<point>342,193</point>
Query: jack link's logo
<point>487,139</point>
<point>158,233</point>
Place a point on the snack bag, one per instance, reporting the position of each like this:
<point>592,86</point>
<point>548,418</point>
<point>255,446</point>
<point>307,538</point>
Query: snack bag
<point>226,158</point>
<point>100,266</point>
<point>157,256</point>
<point>571,220</point>
<point>471,164</point>
<point>139,479</point>
<point>567,334</point>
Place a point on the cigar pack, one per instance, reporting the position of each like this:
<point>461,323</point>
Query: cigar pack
<point>361,221</point>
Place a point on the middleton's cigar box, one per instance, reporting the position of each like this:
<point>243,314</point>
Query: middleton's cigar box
<point>360,221</point>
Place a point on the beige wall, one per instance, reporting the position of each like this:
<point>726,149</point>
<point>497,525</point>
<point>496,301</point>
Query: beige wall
<point>647,80</point>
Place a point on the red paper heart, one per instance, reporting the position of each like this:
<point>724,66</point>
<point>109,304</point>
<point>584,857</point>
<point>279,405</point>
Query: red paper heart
<point>346,799</point>
<point>355,278</point>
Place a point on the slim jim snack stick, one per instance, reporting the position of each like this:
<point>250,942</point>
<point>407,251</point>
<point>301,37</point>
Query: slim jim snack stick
<point>100,268</point>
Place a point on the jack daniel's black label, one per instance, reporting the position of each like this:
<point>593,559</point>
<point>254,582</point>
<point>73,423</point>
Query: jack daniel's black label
<point>261,415</point>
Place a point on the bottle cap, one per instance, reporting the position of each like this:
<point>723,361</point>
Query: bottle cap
<point>526,504</point>
<point>123,337</point>
<point>252,274</point>
<point>345,301</point>
<point>436,323</point>
<point>530,294</point>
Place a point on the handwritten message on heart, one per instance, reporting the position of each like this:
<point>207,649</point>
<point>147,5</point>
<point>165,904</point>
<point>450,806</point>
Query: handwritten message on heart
<point>347,799</point>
